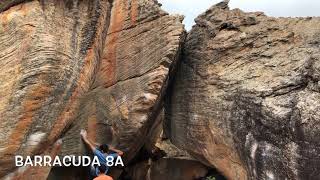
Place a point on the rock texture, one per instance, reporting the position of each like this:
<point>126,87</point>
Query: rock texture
<point>162,160</point>
<point>246,95</point>
<point>66,65</point>
<point>177,169</point>
<point>166,163</point>
<point>175,164</point>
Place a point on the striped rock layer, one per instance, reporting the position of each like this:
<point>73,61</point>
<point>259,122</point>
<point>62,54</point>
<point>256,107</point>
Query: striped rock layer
<point>246,97</point>
<point>66,65</point>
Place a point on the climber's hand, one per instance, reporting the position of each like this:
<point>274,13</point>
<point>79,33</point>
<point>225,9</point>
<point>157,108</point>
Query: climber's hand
<point>83,133</point>
<point>58,142</point>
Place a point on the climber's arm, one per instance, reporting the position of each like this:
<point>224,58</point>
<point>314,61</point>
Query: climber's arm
<point>119,152</point>
<point>94,143</point>
<point>97,144</point>
<point>84,136</point>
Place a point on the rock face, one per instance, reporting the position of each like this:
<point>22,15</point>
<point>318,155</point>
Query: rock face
<point>167,162</point>
<point>176,164</point>
<point>66,65</point>
<point>177,169</point>
<point>246,95</point>
<point>159,159</point>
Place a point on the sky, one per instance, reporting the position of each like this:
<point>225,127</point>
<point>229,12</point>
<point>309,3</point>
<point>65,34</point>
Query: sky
<point>278,8</point>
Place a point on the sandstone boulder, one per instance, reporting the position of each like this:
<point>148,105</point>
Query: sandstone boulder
<point>246,96</point>
<point>102,65</point>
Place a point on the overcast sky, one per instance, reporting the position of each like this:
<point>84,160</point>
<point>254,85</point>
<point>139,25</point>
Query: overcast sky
<point>192,8</point>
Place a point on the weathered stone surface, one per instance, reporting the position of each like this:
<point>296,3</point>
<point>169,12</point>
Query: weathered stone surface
<point>176,164</point>
<point>245,98</point>
<point>246,95</point>
<point>166,162</point>
<point>126,95</point>
<point>160,159</point>
<point>66,65</point>
<point>36,172</point>
<point>48,53</point>
<point>176,169</point>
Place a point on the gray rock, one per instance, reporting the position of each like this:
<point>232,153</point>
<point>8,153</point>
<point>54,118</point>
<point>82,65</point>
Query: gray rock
<point>246,95</point>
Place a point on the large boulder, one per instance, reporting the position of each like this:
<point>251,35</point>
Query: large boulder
<point>246,96</point>
<point>102,65</point>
